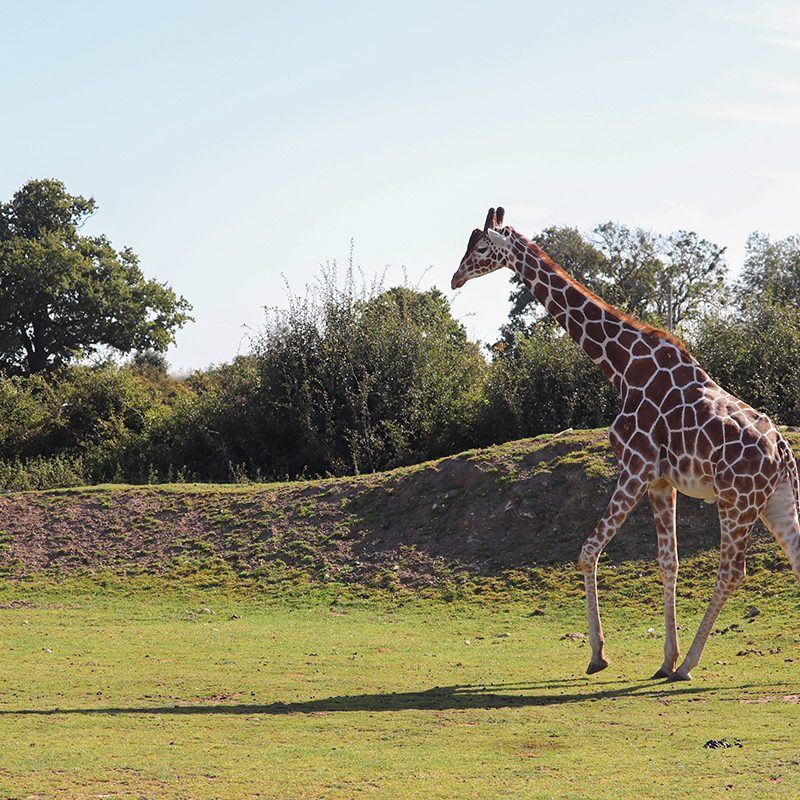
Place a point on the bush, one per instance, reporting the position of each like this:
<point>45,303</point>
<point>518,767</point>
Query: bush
<point>79,425</point>
<point>28,411</point>
<point>353,381</point>
<point>43,473</point>
<point>350,380</point>
<point>755,354</point>
<point>347,380</point>
<point>545,383</point>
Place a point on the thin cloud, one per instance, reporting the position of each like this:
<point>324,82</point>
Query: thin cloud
<point>778,86</point>
<point>774,17</point>
<point>782,22</point>
<point>779,176</point>
<point>787,116</point>
<point>780,41</point>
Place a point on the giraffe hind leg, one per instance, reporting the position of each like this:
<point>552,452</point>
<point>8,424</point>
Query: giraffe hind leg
<point>735,525</point>
<point>780,516</point>
<point>662,500</point>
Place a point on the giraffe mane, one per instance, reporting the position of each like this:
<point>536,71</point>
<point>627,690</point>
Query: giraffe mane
<point>649,330</point>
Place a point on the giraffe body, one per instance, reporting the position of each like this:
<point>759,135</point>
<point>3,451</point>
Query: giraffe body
<point>677,431</point>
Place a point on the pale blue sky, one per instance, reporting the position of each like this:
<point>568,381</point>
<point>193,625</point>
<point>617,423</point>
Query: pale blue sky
<point>231,143</point>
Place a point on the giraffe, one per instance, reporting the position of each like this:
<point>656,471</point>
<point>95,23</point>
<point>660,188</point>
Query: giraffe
<point>677,430</point>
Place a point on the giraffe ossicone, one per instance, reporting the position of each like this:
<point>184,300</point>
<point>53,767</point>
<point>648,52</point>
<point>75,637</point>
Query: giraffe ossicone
<point>677,431</point>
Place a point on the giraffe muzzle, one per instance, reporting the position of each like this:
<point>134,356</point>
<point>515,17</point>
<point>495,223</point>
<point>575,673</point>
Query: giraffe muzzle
<point>458,280</point>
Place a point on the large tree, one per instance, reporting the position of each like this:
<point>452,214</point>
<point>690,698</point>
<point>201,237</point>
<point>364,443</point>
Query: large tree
<point>63,295</point>
<point>636,270</point>
<point>771,270</point>
<point>567,247</point>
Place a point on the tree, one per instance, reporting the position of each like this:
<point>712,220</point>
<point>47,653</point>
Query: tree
<point>64,295</point>
<point>772,269</point>
<point>567,247</point>
<point>348,379</point>
<point>754,352</point>
<point>648,272</point>
<point>630,277</point>
<point>636,270</point>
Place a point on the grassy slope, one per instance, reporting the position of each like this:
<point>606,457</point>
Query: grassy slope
<point>519,506</point>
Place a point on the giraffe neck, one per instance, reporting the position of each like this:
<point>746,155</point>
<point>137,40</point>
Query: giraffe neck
<point>603,332</point>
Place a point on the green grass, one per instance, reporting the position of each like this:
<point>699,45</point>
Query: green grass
<point>138,689</point>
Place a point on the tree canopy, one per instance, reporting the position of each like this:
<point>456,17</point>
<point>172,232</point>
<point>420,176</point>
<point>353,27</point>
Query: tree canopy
<point>63,295</point>
<point>772,269</point>
<point>631,268</point>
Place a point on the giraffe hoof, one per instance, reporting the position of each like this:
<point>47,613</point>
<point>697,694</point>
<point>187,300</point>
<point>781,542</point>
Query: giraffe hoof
<point>596,666</point>
<point>679,676</point>
<point>662,673</point>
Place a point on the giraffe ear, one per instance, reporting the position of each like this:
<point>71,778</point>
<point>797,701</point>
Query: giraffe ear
<point>495,237</point>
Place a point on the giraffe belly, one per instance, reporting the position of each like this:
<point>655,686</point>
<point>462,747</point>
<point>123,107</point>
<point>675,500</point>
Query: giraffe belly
<point>694,487</point>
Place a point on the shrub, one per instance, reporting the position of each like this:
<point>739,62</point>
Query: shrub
<point>755,354</point>
<point>354,380</point>
<point>28,410</point>
<point>545,383</point>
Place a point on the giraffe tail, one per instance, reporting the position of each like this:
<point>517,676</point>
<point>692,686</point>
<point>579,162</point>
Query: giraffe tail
<point>790,471</point>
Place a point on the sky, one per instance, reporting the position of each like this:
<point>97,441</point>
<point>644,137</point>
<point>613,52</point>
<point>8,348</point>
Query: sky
<point>238,146</point>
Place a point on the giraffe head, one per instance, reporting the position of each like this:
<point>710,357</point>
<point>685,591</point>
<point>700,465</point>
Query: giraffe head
<point>487,250</point>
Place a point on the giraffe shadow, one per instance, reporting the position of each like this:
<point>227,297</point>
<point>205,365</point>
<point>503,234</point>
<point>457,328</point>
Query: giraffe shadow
<point>435,698</point>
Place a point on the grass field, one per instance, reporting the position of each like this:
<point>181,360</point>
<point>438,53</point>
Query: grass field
<point>120,689</point>
<point>412,634</point>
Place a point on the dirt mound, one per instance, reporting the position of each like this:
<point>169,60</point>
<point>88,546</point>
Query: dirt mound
<point>515,506</point>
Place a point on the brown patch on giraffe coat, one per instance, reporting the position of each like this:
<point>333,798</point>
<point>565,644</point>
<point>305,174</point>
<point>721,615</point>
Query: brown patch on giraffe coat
<point>674,417</point>
<point>593,311</point>
<point>615,353</point>
<point>642,444</point>
<point>666,356</point>
<point>634,462</point>
<point>673,403</point>
<point>558,300</point>
<point>630,408</point>
<point>591,348</point>
<point>572,327</point>
<point>639,372</point>
<point>573,296</point>
<point>659,386</point>
<point>684,374</point>
<point>594,330</point>
<point>648,414</point>
<point>763,424</point>
<point>474,238</point>
<point>704,445</point>
<point>529,272</point>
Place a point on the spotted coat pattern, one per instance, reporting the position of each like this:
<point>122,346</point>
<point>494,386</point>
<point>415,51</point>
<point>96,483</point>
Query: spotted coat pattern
<point>677,431</point>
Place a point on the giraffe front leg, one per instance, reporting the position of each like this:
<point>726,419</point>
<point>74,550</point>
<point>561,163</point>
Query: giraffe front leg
<point>662,500</point>
<point>734,530</point>
<point>628,492</point>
